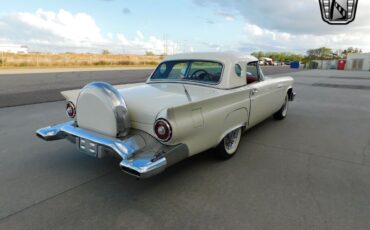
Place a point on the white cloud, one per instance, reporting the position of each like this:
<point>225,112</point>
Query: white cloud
<point>78,28</point>
<point>110,35</point>
<point>122,39</point>
<point>257,38</point>
<point>226,16</point>
<point>140,34</point>
<point>293,25</point>
<point>63,31</point>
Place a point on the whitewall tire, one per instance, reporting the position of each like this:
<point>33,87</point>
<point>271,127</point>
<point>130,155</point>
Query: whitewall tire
<point>283,111</point>
<point>230,144</point>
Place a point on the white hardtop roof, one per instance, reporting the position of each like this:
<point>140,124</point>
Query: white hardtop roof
<point>223,57</point>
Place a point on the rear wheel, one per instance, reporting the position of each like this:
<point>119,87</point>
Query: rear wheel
<point>282,113</point>
<point>229,145</point>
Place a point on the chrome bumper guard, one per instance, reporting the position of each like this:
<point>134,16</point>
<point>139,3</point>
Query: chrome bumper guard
<point>141,155</point>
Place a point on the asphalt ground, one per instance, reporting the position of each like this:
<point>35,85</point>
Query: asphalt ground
<point>24,89</point>
<point>309,171</point>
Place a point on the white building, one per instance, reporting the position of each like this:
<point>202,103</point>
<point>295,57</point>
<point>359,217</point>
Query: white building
<point>326,64</point>
<point>13,48</point>
<point>358,62</point>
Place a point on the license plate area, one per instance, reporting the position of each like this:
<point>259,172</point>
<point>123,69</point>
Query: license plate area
<point>88,147</point>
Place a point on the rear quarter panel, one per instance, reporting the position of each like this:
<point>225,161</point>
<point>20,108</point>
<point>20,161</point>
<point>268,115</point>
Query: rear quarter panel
<point>202,125</point>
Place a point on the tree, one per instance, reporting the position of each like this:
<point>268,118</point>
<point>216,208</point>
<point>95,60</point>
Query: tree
<point>322,53</point>
<point>105,52</point>
<point>279,56</point>
<point>351,50</point>
<point>259,54</point>
<point>149,53</point>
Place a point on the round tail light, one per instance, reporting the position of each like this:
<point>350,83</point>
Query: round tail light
<point>163,130</point>
<point>71,110</point>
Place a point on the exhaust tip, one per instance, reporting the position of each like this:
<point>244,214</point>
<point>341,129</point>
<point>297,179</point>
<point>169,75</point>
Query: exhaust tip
<point>130,171</point>
<point>40,136</point>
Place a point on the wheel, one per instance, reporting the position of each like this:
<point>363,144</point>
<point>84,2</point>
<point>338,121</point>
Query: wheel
<point>282,113</point>
<point>229,145</point>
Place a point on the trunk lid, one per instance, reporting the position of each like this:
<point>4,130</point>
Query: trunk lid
<point>145,101</point>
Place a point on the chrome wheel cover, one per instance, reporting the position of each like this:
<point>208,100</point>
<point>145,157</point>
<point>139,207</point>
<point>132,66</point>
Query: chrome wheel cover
<point>231,141</point>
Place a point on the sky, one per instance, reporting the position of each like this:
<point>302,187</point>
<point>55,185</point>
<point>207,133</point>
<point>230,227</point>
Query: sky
<point>139,26</point>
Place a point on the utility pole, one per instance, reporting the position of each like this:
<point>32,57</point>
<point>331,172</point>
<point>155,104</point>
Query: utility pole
<point>165,44</point>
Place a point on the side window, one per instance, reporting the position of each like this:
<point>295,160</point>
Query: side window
<point>238,70</point>
<point>171,70</point>
<point>253,74</point>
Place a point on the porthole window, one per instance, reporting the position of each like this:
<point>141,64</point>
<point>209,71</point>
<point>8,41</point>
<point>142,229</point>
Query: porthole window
<point>238,70</point>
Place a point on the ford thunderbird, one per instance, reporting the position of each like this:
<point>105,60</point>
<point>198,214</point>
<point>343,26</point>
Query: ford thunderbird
<point>190,103</point>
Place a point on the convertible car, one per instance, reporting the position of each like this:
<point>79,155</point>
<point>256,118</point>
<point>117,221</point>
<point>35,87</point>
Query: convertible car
<point>190,103</point>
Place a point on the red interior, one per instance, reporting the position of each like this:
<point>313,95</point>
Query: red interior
<point>251,79</point>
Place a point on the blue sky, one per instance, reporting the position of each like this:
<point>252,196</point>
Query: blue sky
<point>184,25</point>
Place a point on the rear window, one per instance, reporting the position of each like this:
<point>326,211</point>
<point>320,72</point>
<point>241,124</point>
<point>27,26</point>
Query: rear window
<point>198,71</point>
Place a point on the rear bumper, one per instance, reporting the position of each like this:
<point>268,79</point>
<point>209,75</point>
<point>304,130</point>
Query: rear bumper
<point>141,155</point>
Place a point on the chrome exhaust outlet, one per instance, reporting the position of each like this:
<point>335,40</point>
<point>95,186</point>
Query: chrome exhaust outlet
<point>148,164</point>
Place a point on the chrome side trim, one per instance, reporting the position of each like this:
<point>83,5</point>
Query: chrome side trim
<point>141,154</point>
<point>120,109</point>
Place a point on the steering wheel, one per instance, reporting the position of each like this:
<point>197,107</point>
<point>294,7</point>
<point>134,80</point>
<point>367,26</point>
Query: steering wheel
<point>200,74</point>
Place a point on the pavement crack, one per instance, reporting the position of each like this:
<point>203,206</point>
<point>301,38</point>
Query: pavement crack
<point>2,219</point>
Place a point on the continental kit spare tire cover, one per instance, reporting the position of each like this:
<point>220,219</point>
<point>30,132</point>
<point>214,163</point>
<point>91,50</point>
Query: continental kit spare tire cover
<point>102,109</point>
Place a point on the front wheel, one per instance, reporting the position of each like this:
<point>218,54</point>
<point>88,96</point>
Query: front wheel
<point>282,113</point>
<point>229,145</point>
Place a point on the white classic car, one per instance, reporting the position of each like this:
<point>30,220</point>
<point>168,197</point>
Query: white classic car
<point>190,103</point>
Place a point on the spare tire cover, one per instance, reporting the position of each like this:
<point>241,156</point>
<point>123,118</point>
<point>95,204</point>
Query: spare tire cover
<point>101,108</point>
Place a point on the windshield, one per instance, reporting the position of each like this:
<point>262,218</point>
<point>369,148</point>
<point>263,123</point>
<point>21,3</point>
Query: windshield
<point>198,71</point>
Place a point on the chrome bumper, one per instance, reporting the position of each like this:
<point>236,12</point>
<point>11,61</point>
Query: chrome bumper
<point>141,155</point>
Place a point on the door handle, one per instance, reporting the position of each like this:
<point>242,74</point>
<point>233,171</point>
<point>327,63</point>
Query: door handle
<point>254,91</point>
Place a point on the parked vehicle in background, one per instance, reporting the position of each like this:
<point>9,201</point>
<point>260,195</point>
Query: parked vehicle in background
<point>267,61</point>
<point>190,103</point>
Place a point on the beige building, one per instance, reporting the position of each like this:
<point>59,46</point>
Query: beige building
<point>358,62</point>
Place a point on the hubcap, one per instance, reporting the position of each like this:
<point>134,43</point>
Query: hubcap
<point>231,141</point>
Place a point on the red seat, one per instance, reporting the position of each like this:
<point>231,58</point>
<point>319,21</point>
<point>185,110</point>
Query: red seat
<point>251,79</point>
